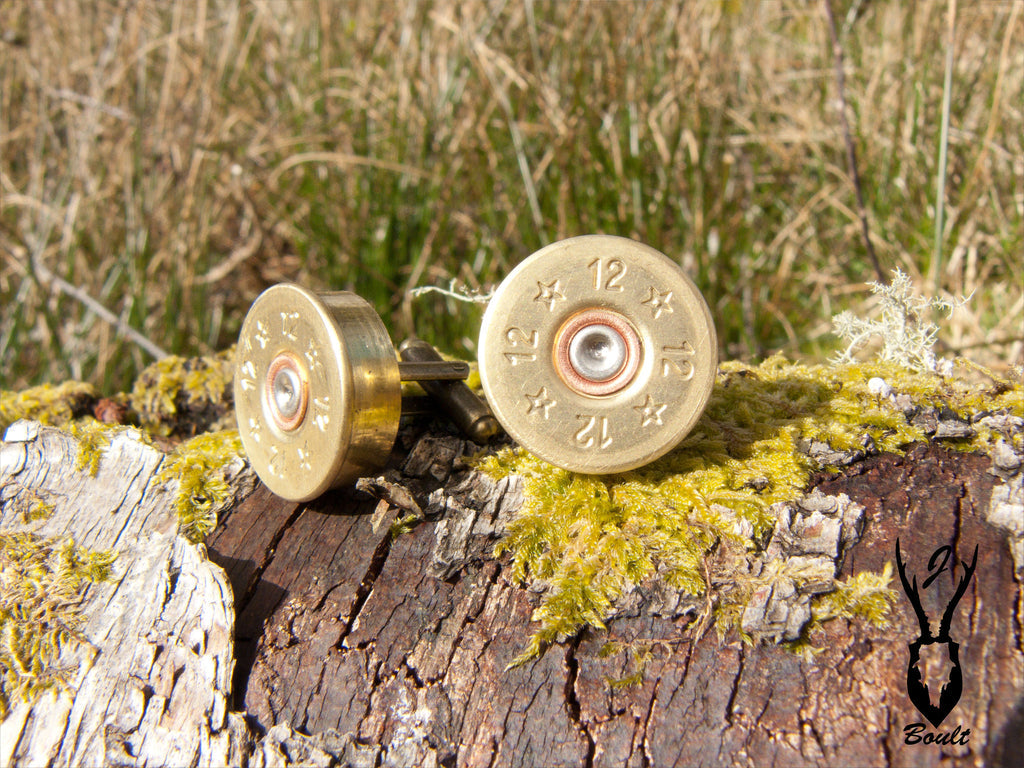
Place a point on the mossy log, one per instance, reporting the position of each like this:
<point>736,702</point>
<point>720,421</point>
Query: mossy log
<point>375,626</point>
<point>147,674</point>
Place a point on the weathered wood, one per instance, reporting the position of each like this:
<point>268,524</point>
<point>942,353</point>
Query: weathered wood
<point>357,646</point>
<point>402,645</point>
<point>153,686</point>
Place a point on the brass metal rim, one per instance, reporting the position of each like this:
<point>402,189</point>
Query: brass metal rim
<point>638,406</point>
<point>341,422</point>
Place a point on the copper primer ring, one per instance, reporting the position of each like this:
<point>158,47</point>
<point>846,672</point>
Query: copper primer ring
<point>592,319</point>
<point>286,391</point>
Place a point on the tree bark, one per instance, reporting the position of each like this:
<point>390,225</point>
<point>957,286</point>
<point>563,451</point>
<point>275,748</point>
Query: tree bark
<point>153,683</point>
<point>357,644</point>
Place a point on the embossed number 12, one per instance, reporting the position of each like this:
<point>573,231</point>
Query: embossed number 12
<point>587,440</point>
<point>608,274</point>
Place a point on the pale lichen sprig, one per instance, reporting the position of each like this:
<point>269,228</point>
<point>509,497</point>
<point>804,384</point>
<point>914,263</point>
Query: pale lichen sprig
<point>908,335</point>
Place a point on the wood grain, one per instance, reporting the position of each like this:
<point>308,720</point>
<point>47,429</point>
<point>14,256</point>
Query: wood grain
<point>313,636</point>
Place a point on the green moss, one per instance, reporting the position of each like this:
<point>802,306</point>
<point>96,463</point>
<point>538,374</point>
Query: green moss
<point>200,466</point>
<point>173,397</point>
<point>584,541</point>
<point>41,585</point>
<point>48,404</point>
<point>473,380</point>
<point>185,396</point>
<point>638,653</point>
<point>864,595</point>
<point>93,439</point>
<point>32,505</point>
<point>403,525</point>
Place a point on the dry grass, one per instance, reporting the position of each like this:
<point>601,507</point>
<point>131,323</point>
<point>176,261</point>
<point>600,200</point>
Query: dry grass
<point>172,158</point>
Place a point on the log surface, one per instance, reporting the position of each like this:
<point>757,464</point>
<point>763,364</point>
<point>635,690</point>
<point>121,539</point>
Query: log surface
<point>356,646</point>
<point>403,644</point>
<point>153,687</point>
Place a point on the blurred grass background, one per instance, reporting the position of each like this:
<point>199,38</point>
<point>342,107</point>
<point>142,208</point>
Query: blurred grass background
<point>172,158</point>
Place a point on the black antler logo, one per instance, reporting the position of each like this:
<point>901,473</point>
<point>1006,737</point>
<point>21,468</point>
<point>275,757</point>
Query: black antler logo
<point>953,687</point>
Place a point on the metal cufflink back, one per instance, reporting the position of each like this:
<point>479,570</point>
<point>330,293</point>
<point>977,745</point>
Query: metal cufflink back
<point>597,354</point>
<point>318,390</point>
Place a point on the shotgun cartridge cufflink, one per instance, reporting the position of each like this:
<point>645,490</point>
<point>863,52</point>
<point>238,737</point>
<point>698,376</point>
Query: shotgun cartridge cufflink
<point>318,390</point>
<point>597,354</point>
